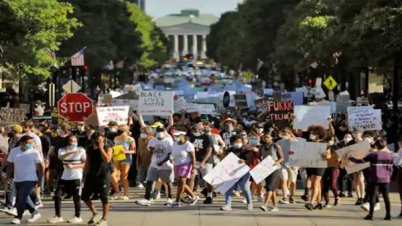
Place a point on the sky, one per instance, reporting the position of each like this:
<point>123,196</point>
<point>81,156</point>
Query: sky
<point>159,8</point>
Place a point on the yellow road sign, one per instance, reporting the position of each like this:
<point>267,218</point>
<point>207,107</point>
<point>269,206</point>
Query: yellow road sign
<point>330,83</point>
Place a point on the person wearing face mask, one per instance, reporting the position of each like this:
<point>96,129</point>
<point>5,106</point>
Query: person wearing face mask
<point>143,155</point>
<point>381,165</point>
<point>123,139</point>
<point>73,158</point>
<point>236,148</point>
<point>343,175</point>
<point>331,174</point>
<point>204,159</point>
<point>317,134</point>
<point>183,153</point>
<point>217,142</point>
<point>111,133</point>
<point>228,130</point>
<point>252,154</point>
<point>27,165</point>
<point>288,173</point>
<point>161,166</point>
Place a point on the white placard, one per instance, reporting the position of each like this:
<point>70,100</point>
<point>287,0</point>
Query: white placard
<point>311,115</point>
<point>118,114</point>
<point>205,109</point>
<point>125,102</point>
<point>263,170</point>
<point>155,103</point>
<point>12,115</point>
<point>364,118</point>
<point>359,151</point>
<point>308,154</point>
<point>224,175</point>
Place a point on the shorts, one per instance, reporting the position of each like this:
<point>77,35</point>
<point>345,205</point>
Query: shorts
<point>128,160</point>
<point>289,174</point>
<point>183,170</point>
<point>96,185</point>
<point>315,171</point>
<point>203,171</point>
<point>271,182</point>
<point>155,174</point>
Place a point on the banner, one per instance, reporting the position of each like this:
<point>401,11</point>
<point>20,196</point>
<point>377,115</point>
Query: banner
<point>155,103</point>
<point>224,175</point>
<point>311,115</point>
<point>118,114</point>
<point>12,115</point>
<point>308,154</point>
<point>280,113</point>
<point>359,151</point>
<point>263,170</point>
<point>261,105</point>
<point>364,118</point>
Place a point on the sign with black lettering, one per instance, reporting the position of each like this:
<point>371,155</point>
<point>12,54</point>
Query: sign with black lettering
<point>280,113</point>
<point>12,115</point>
<point>155,103</point>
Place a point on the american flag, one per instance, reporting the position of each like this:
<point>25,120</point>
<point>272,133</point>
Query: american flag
<point>78,58</point>
<point>50,52</point>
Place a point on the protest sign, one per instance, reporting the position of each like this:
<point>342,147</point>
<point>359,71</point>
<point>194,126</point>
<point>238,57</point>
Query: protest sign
<point>308,154</point>
<point>261,105</point>
<point>205,109</point>
<point>361,101</point>
<point>240,100</point>
<point>280,113</point>
<point>133,104</point>
<point>189,97</point>
<point>224,175</point>
<point>311,115</point>
<point>342,102</point>
<point>118,114</point>
<point>364,118</point>
<point>12,115</point>
<point>155,103</point>
<point>359,151</point>
<point>263,169</point>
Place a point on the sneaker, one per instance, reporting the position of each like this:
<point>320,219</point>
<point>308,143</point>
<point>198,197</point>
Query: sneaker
<point>309,206</point>
<point>102,222</point>
<point>327,206</point>
<point>284,201</point>
<point>140,186</point>
<point>38,205</point>
<point>260,198</point>
<point>387,217</point>
<point>342,195</point>
<point>305,198</point>
<point>249,206</point>
<point>16,221</point>
<point>377,207</point>
<point>124,197</point>
<point>55,220</point>
<point>75,220</point>
<point>365,206</point>
<point>318,206</point>
<point>274,209</point>
<point>11,212</point>
<point>208,200</point>
<point>194,200</point>
<point>186,200</point>
<point>158,196</point>
<point>176,205</point>
<point>143,202</point>
<point>26,213</point>
<point>336,203</point>
<point>264,208</point>
<point>244,201</point>
<point>226,208</point>
<point>34,218</point>
<point>369,217</point>
<point>168,202</point>
<point>93,219</point>
<point>359,202</point>
<point>291,200</point>
<point>115,197</point>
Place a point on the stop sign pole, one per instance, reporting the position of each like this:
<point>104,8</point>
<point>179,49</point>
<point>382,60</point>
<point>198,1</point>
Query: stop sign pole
<point>75,107</point>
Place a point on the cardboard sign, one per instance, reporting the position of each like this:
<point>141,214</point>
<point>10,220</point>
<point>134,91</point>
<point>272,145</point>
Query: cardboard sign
<point>118,114</point>
<point>205,109</point>
<point>155,103</point>
<point>308,154</point>
<point>241,100</point>
<point>359,150</point>
<point>261,105</point>
<point>133,104</point>
<point>12,115</point>
<point>280,113</point>
<point>364,118</point>
<point>311,115</point>
<point>263,170</point>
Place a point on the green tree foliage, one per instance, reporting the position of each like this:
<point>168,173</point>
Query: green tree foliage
<point>28,28</point>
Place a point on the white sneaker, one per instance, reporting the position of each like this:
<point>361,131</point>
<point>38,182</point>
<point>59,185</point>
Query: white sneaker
<point>16,221</point>
<point>226,208</point>
<point>124,197</point>
<point>158,196</point>
<point>26,213</point>
<point>169,202</point>
<point>38,205</point>
<point>249,206</point>
<point>274,209</point>
<point>75,220</point>
<point>143,202</point>
<point>55,220</point>
<point>244,201</point>
<point>140,185</point>
<point>377,206</point>
<point>11,212</point>
<point>34,218</point>
<point>365,206</point>
<point>115,197</point>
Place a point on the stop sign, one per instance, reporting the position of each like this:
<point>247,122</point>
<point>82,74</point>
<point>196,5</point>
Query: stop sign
<point>75,107</point>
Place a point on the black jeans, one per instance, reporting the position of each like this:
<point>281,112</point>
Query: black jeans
<point>343,176</point>
<point>70,187</point>
<point>383,188</point>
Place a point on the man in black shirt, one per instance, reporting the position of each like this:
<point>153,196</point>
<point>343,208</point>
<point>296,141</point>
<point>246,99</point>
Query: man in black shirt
<point>97,176</point>
<point>203,156</point>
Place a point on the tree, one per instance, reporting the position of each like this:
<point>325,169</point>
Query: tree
<point>29,28</point>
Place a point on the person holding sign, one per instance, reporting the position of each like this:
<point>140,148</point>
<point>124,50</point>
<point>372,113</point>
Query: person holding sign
<point>127,143</point>
<point>237,149</point>
<point>381,166</point>
<point>269,148</point>
<point>317,134</point>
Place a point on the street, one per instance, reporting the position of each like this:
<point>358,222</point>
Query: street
<point>126,213</point>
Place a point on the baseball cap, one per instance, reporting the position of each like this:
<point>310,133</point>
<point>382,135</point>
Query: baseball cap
<point>17,128</point>
<point>157,124</point>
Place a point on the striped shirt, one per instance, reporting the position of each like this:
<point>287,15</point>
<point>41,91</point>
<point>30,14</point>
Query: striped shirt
<point>381,165</point>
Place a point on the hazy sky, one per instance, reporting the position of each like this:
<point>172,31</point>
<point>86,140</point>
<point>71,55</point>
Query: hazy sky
<point>158,8</point>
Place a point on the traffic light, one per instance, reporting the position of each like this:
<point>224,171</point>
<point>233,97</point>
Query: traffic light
<point>310,81</point>
<point>85,67</point>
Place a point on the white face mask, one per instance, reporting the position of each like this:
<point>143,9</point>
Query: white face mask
<point>160,135</point>
<point>237,145</point>
<point>176,139</point>
<point>312,137</point>
<point>347,140</point>
<point>331,142</point>
<point>143,135</point>
<point>113,130</point>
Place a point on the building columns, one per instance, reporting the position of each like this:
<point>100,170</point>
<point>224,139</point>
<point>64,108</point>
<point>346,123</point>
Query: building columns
<point>185,45</point>
<point>176,47</point>
<point>204,47</point>
<point>195,46</point>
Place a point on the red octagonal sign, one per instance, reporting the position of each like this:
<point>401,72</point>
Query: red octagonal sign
<point>75,107</point>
